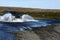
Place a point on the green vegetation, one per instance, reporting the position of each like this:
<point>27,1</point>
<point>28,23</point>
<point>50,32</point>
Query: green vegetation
<point>44,15</point>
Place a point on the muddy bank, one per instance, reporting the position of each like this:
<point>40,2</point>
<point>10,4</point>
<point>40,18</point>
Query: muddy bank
<point>46,33</point>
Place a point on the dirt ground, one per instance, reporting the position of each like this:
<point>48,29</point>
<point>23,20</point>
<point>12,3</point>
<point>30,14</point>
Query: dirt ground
<point>46,33</point>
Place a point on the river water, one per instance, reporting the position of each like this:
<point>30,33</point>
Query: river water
<point>6,27</point>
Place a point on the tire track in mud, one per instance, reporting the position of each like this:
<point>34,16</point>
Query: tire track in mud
<point>48,33</point>
<point>45,35</point>
<point>27,35</point>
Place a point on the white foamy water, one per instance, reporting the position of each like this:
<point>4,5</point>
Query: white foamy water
<point>8,17</point>
<point>26,17</point>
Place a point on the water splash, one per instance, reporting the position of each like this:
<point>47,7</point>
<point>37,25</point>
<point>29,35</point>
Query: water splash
<point>8,17</point>
<point>26,17</point>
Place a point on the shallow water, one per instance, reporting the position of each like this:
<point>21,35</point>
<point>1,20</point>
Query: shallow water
<point>9,27</point>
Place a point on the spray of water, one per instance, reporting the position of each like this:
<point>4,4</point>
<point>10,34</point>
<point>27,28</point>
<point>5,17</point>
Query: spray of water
<point>26,17</point>
<point>8,17</point>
